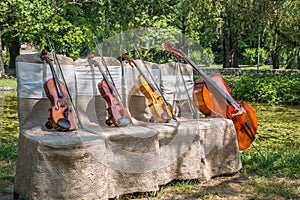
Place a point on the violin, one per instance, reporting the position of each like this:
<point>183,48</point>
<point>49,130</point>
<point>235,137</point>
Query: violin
<point>117,113</point>
<point>158,106</point>
<point>212,98</point>
<point>61,115</point>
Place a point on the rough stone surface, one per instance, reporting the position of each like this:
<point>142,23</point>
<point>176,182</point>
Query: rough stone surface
<point>101,162</point>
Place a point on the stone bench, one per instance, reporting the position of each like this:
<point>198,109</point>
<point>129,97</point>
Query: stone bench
<point>101,162</point>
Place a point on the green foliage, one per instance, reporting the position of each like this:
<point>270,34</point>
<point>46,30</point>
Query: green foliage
<point>271,89</point>
<point>250,55</point>
<point>263,55</point>
<point>72,26</point>
<point>204,57</point>
<point>6,57</point>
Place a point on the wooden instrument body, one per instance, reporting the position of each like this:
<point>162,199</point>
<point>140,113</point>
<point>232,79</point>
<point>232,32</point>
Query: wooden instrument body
<point>160,112</point>
<point>159,109</point>
<point>208,101</point>
<point>61,115</point>
<point>211,103</point>
<point>117,114</point>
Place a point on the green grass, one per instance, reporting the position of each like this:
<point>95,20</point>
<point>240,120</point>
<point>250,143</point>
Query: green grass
<point>12,83</point>
<point>277,147</point>
<point>9,130</point>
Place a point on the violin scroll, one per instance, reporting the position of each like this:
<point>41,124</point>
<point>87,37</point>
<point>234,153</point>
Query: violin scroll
<point>124,54</point>
<point>178,53</point>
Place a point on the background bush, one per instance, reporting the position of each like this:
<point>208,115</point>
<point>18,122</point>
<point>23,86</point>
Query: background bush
<point>271,89</point>
<point>250,55</point>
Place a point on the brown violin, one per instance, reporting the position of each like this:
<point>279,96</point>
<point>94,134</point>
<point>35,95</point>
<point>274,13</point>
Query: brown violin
<point>212,98</point>
<point>157,104</point>
<point>118,115</point>
<point>61,115</point>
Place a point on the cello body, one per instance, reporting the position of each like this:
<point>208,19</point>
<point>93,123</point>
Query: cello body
<point>211,104</point>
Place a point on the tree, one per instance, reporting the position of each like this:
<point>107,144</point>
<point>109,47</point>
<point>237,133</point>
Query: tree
<point>28,20</point>
<point>283,32</point>
<point>278,24</point>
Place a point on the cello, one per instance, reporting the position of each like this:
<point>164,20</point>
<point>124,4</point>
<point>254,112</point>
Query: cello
<point>117,113</point>
<point>158,106</point>
<point>212,97</point>
<point>61,115</point>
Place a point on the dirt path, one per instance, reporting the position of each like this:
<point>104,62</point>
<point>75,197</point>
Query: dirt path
<point>234,187</point>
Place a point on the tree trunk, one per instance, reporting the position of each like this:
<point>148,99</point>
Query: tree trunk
<point>226,48</point>
<point>14,51</point>
<point>293,60</point>
<point>229,44</point>
<point>2,72</point>
<point>275,60</point>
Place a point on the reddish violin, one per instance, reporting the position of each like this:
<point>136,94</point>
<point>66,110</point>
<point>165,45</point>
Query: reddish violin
<point>117,113</point>
<point>61,115</point>
<point>212,98</point>
<point>157,104</point>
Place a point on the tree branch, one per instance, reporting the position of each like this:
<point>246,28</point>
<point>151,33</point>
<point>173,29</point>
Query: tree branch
<point>284,36</point>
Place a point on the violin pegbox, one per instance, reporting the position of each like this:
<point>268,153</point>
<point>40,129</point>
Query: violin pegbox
<point>178,53</point>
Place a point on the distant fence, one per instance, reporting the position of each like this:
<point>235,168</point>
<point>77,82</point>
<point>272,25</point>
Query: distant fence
<point>241,71</point>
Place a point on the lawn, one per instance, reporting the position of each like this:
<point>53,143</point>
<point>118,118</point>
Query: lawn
<point>271,166</point>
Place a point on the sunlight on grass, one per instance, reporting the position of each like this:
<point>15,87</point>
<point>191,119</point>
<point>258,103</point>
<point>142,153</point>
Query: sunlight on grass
<point>274,187</point>
<point>12,83</point>
<point>9,129</point>
<point>277,148</point>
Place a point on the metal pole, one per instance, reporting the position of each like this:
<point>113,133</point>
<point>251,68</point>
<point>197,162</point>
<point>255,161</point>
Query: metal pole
<point>258,52</point>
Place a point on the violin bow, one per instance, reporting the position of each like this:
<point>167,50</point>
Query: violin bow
<point>107,70</point>
<point>191,105</point>
<point>63,78</point>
